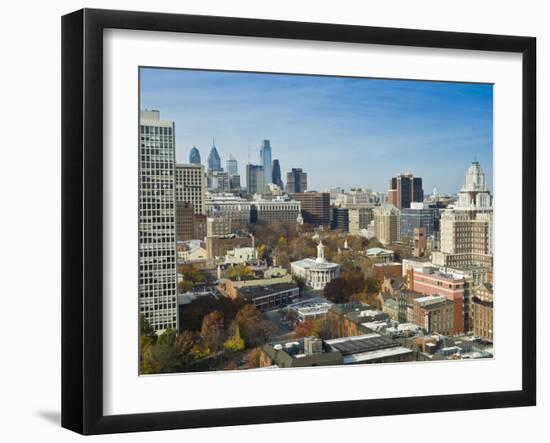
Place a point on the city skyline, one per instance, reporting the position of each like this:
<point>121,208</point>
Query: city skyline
<point>427,128</point>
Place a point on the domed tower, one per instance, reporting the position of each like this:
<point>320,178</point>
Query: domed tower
<point>195,156</point>
<point>475,193</point>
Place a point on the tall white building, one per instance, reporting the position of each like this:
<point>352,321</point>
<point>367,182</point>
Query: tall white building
<point>191,186</point>
<point>157,222</point>
<point>466,229</point>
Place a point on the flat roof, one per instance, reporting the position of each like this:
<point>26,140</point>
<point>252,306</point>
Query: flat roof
<point>376,354</point>
<point>361,343</point>
<point>264,290</point>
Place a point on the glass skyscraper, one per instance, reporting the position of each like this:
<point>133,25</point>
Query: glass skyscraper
<point>195,156</point>
<point>231,166</point>
<point>276,174</point>
<point>265,159</point>
<point>214,162</point>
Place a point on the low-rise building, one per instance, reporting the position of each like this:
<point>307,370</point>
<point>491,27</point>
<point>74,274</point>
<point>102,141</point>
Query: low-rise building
<point>483,311</point>
<point>387,269</point>
<point>434,313</point>
<point>308,309</point>
<point>241,255</point>
<point>316,272</point>
<point>297,353</point>
<point>384,255</point>
<point>269,297</point>
<point>269,211</point>
<point>217,246</point>
<point>349,319</point>
<point>370,348</point>
<point>446,284</point>
<point>229,288</point>
<point>191,250</point>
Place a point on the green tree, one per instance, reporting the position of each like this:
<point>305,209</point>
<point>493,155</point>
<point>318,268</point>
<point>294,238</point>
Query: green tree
<point>235,342</point>
<point>145,328</point>
<point>200,350</point>
<point>239,271</point>
<point>146,365</point>
<point>158,358</point>
<point>167,338</point>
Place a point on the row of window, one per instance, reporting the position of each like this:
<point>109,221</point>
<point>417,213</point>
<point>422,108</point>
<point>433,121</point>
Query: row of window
<point>156,130</point>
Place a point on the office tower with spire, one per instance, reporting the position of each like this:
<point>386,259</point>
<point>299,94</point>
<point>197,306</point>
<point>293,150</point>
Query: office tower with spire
<point>194,156</point>
<point>214,161</point>
<point>276,174</point>
<point>157,225</point>
<point>265,160</point>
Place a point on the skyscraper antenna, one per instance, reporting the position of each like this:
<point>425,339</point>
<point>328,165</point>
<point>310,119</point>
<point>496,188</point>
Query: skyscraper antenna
<point>213,141</point>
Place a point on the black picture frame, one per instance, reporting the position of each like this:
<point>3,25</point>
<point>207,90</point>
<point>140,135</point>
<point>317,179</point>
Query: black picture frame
<point>82,218</point>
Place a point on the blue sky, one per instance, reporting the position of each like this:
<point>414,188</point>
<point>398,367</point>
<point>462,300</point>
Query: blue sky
<point>347,132</point>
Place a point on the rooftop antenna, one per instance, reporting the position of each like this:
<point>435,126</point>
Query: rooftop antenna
<point>213,142</point>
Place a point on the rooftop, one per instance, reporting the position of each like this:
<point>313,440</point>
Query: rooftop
<point>361,343</point>
<point>252,292</point>
<point>378,251</point>
<point>311,263</point>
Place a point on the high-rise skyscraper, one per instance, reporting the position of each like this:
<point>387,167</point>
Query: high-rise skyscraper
<point>315,207</point>
<point>296,181</point>
<point>231,166</point>
<point>387,224</point>
<point>466,229</point>
<point>194,156</point>
<point>254,179</point>
<point>265,160</point>
<point>276,174</point>
<point>191,186</point>
<point>157,222</point>
<point>214,162</point>
<point>404,189</point>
